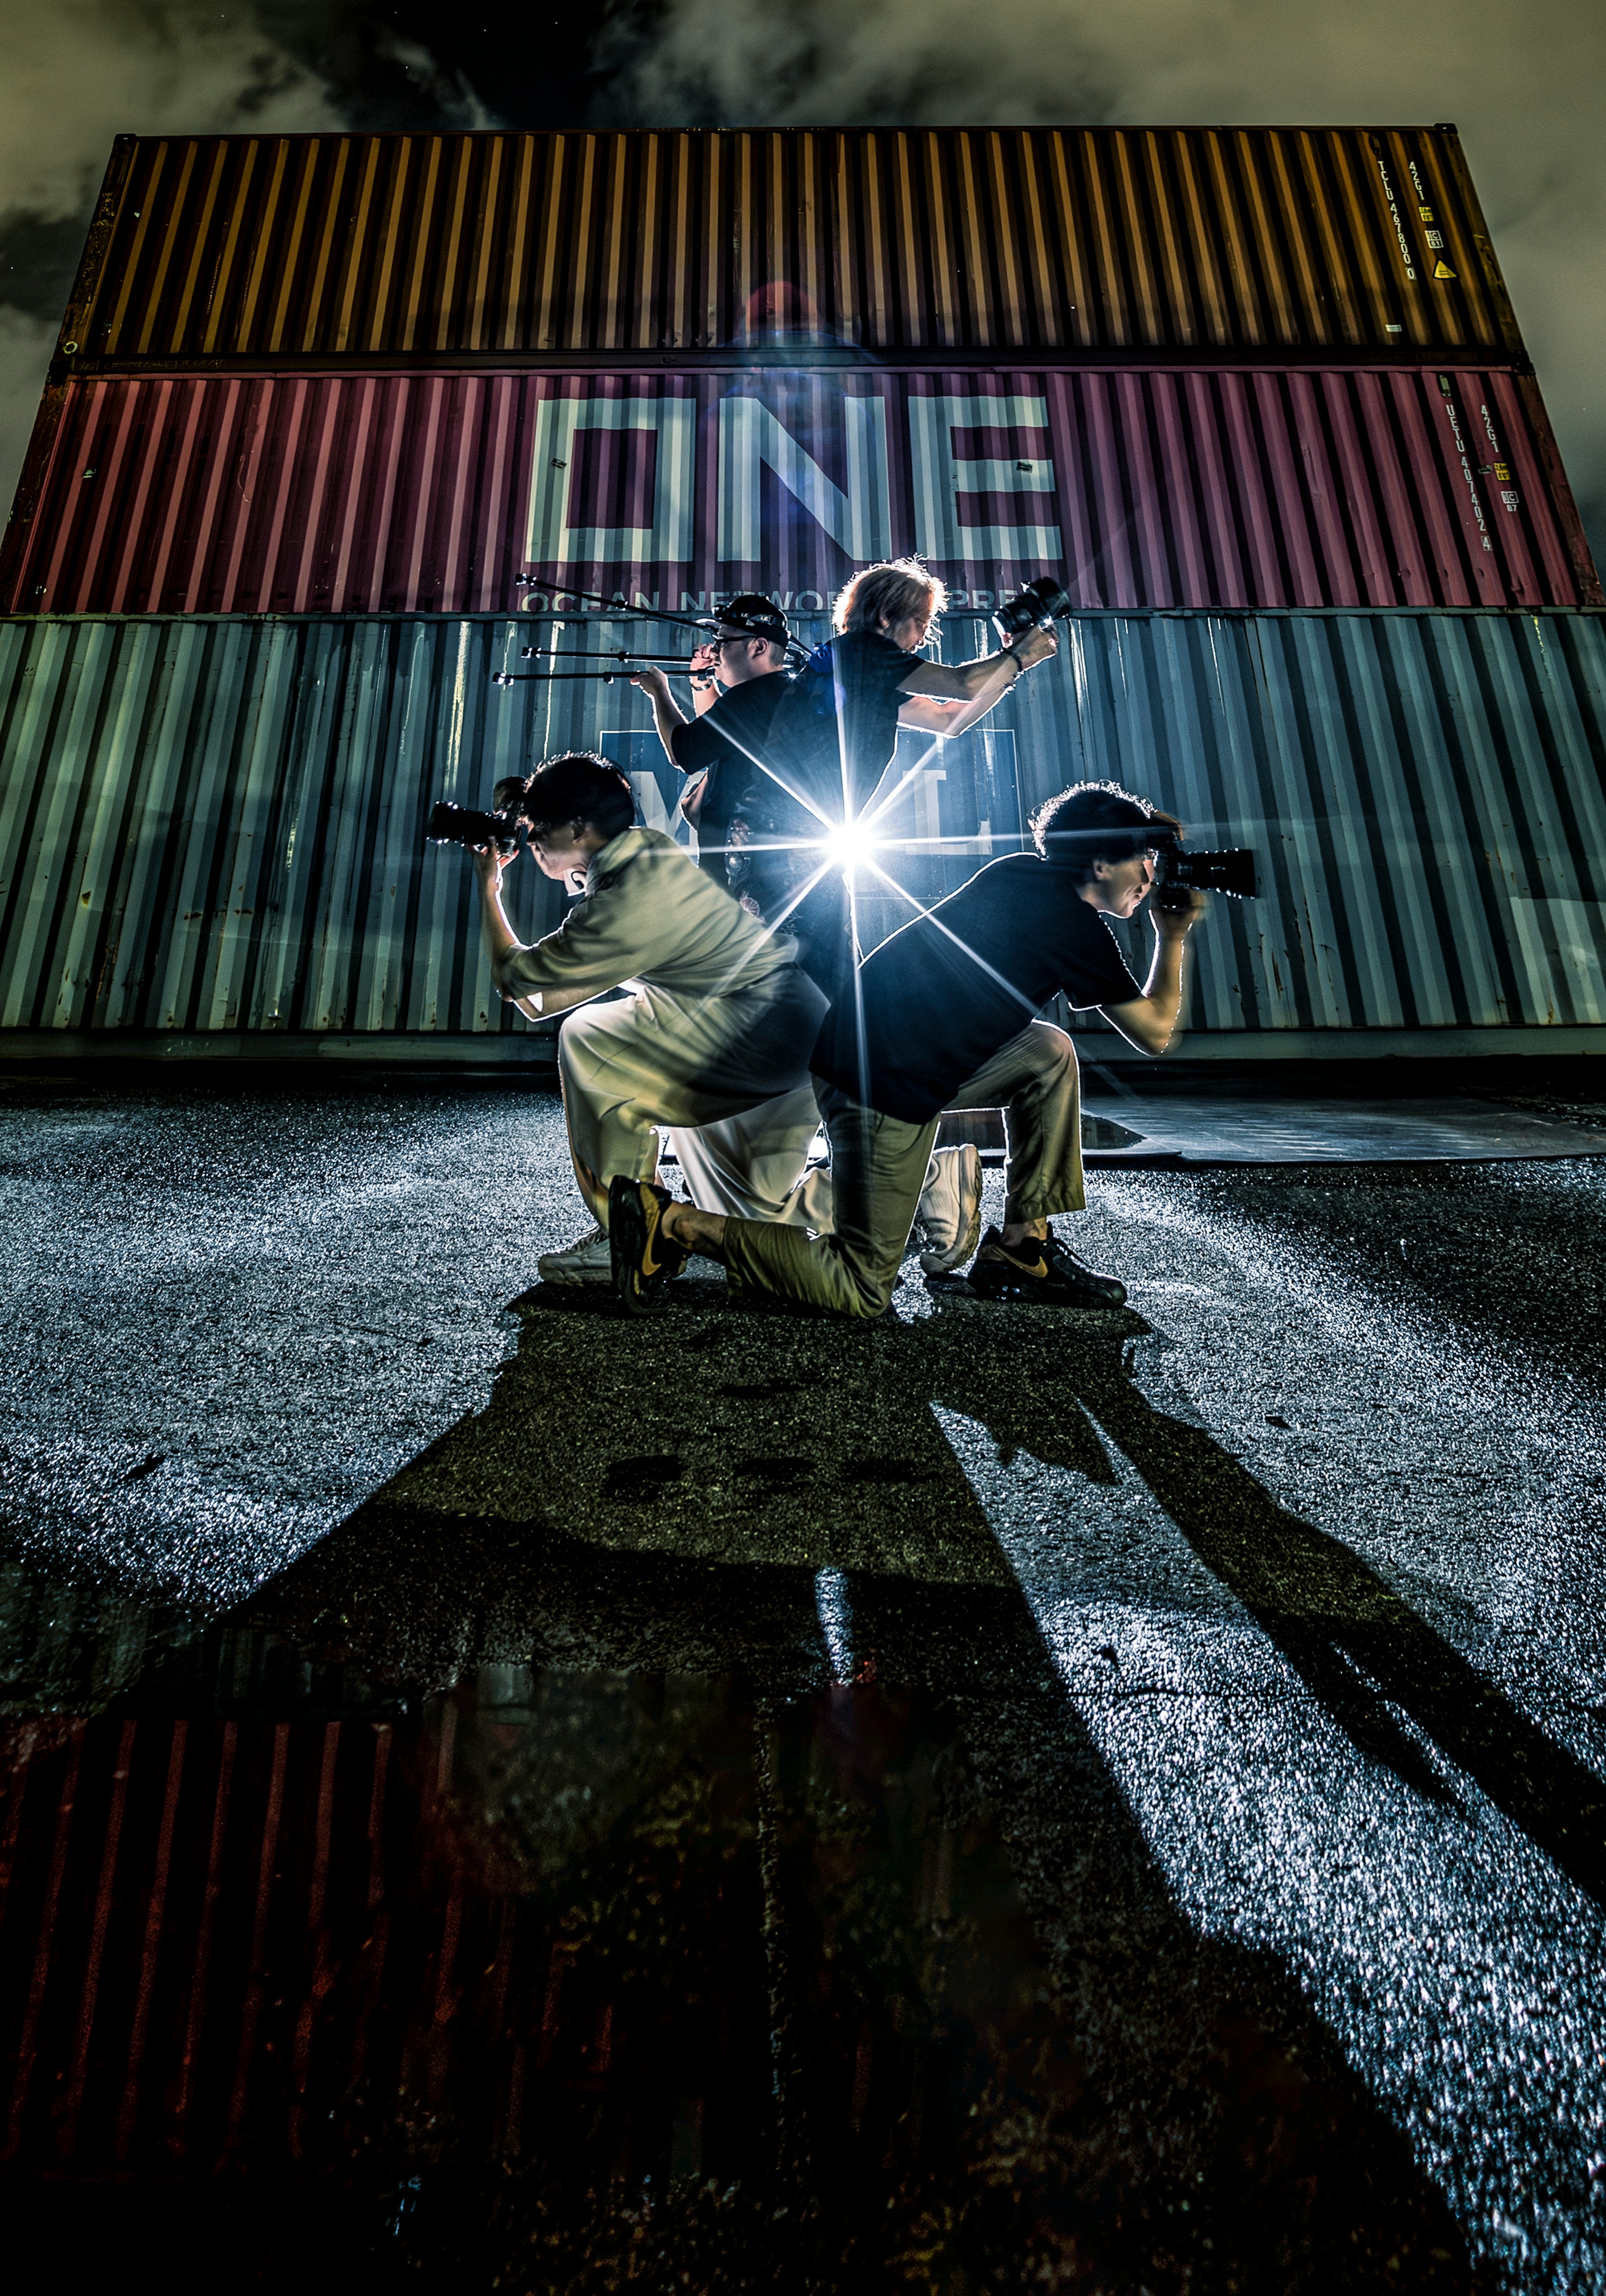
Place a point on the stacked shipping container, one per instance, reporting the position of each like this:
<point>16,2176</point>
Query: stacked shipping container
<point>374,384</point>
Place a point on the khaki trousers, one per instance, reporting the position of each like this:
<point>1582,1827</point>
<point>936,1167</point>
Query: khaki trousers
<point>654,1061</point>
<point>879,1165</point>
<point>752,1167</point>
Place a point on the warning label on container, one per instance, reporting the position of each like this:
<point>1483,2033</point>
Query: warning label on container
<point>1500,470</point>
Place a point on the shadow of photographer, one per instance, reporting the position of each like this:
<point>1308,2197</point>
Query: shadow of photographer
<point>756,1450</point>
<point>1358,1646</point>
<point>667,1494</point>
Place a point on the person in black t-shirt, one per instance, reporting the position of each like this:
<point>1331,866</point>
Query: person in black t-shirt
<point>737,679</point>
<point>945,1018</point>
<point>833,736</point>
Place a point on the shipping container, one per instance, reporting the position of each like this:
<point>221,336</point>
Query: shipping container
<point>216,826</point>
<point>1325,240</point>
<point>1150,487</point>
<point>239,809</point>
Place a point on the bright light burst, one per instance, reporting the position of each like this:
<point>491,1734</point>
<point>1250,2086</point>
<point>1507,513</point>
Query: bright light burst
<point>849,845</point>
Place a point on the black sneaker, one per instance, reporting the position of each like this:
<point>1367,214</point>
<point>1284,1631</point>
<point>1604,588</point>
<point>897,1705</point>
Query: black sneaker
<point>1041,1269</point>
<point>645,1260</point>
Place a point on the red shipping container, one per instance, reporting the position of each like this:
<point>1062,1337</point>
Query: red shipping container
<point>1185,488</point>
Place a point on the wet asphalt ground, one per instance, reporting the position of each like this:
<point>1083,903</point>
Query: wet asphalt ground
<point>1122,1792</point>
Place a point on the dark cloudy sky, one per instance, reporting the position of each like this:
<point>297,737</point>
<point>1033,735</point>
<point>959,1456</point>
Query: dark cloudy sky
<point>1522,79</point>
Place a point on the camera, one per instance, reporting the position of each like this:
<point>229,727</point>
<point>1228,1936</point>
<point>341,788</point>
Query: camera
<point>1042,602</point>
<point>1230,869</point>
<point>460,825</point>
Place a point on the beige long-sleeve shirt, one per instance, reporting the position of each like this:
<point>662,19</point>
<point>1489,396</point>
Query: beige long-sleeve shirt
<point>650,915</point>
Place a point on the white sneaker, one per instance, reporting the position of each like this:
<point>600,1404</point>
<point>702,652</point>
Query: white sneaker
<point>948,1221</point>
<point>589,1261</point>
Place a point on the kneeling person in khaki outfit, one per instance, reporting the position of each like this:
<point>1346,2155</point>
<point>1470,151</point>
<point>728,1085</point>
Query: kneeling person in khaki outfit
<point>720,1021</point>
<point>939,1024</point>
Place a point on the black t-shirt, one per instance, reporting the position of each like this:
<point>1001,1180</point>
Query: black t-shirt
<point>843,704</point>
<point>952,988</point>
<point>725,740</point>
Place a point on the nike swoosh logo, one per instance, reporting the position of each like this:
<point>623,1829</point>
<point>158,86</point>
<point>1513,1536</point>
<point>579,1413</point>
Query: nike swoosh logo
<point>1039,1267</point>
<point>651,1264</point>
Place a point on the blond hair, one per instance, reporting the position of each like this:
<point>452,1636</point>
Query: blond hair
<point>889,592</point>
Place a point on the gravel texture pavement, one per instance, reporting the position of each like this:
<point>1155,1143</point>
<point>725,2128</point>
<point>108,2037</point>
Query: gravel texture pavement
<point>1244,1649</point>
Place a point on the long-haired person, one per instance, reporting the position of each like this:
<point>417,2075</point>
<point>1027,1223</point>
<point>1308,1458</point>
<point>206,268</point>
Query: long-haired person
<point>832,737</point>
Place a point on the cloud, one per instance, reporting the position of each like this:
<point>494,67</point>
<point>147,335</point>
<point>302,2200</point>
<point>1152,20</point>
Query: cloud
<point>80,73</point>
<point>26,344</point>
<point>77,73</point>
<point>1522,79</point>
<point>447,93</point>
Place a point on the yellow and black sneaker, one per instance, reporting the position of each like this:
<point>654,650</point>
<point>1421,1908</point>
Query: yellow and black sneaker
<point>645,1260</point>
<point>1043,1270</point>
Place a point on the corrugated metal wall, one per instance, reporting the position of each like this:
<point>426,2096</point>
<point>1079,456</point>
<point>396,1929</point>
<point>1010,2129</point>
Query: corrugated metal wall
<point>1427,795</point>
<point>359,247</point>
<point>341,376</point>
<point>431,492</point>
<point>217,825</point>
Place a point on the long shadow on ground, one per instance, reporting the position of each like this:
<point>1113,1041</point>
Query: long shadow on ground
<point>664,1497</point>
<point>713,1436</point>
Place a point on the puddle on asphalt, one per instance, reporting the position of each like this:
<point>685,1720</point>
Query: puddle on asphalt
<point>574,1977</point>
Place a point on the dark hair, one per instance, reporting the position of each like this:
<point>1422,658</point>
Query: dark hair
<point>577,786</point>
<point>1097,821</point>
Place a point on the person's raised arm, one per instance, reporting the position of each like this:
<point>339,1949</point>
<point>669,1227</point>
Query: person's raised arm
<point>499,938</point>
<point>667,715</point>
<point>705,685</point>
<point>1148,1022</point>
<point>987,680</point>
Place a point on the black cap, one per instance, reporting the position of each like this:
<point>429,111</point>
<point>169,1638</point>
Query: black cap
<point>759,616</point>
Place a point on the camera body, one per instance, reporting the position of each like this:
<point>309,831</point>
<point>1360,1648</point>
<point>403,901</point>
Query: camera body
<point>1229,869</point>
<point>1043,600</point>
<point>460,825</point>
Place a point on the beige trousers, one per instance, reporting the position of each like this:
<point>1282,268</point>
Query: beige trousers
<point>655,1061</point>
<point>879,1165</point>
<point>753,1166</point>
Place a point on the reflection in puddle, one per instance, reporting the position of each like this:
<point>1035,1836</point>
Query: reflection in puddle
<point>688,1872</point>
<point>619,1956</point>
<point>574,1978</point>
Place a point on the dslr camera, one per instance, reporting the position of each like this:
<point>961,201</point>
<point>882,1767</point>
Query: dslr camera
<point>460,825</point>
<point>1043,600</point>
<point>1229,869</point>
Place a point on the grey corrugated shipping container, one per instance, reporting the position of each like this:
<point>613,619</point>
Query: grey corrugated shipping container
<point>213,828</point>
